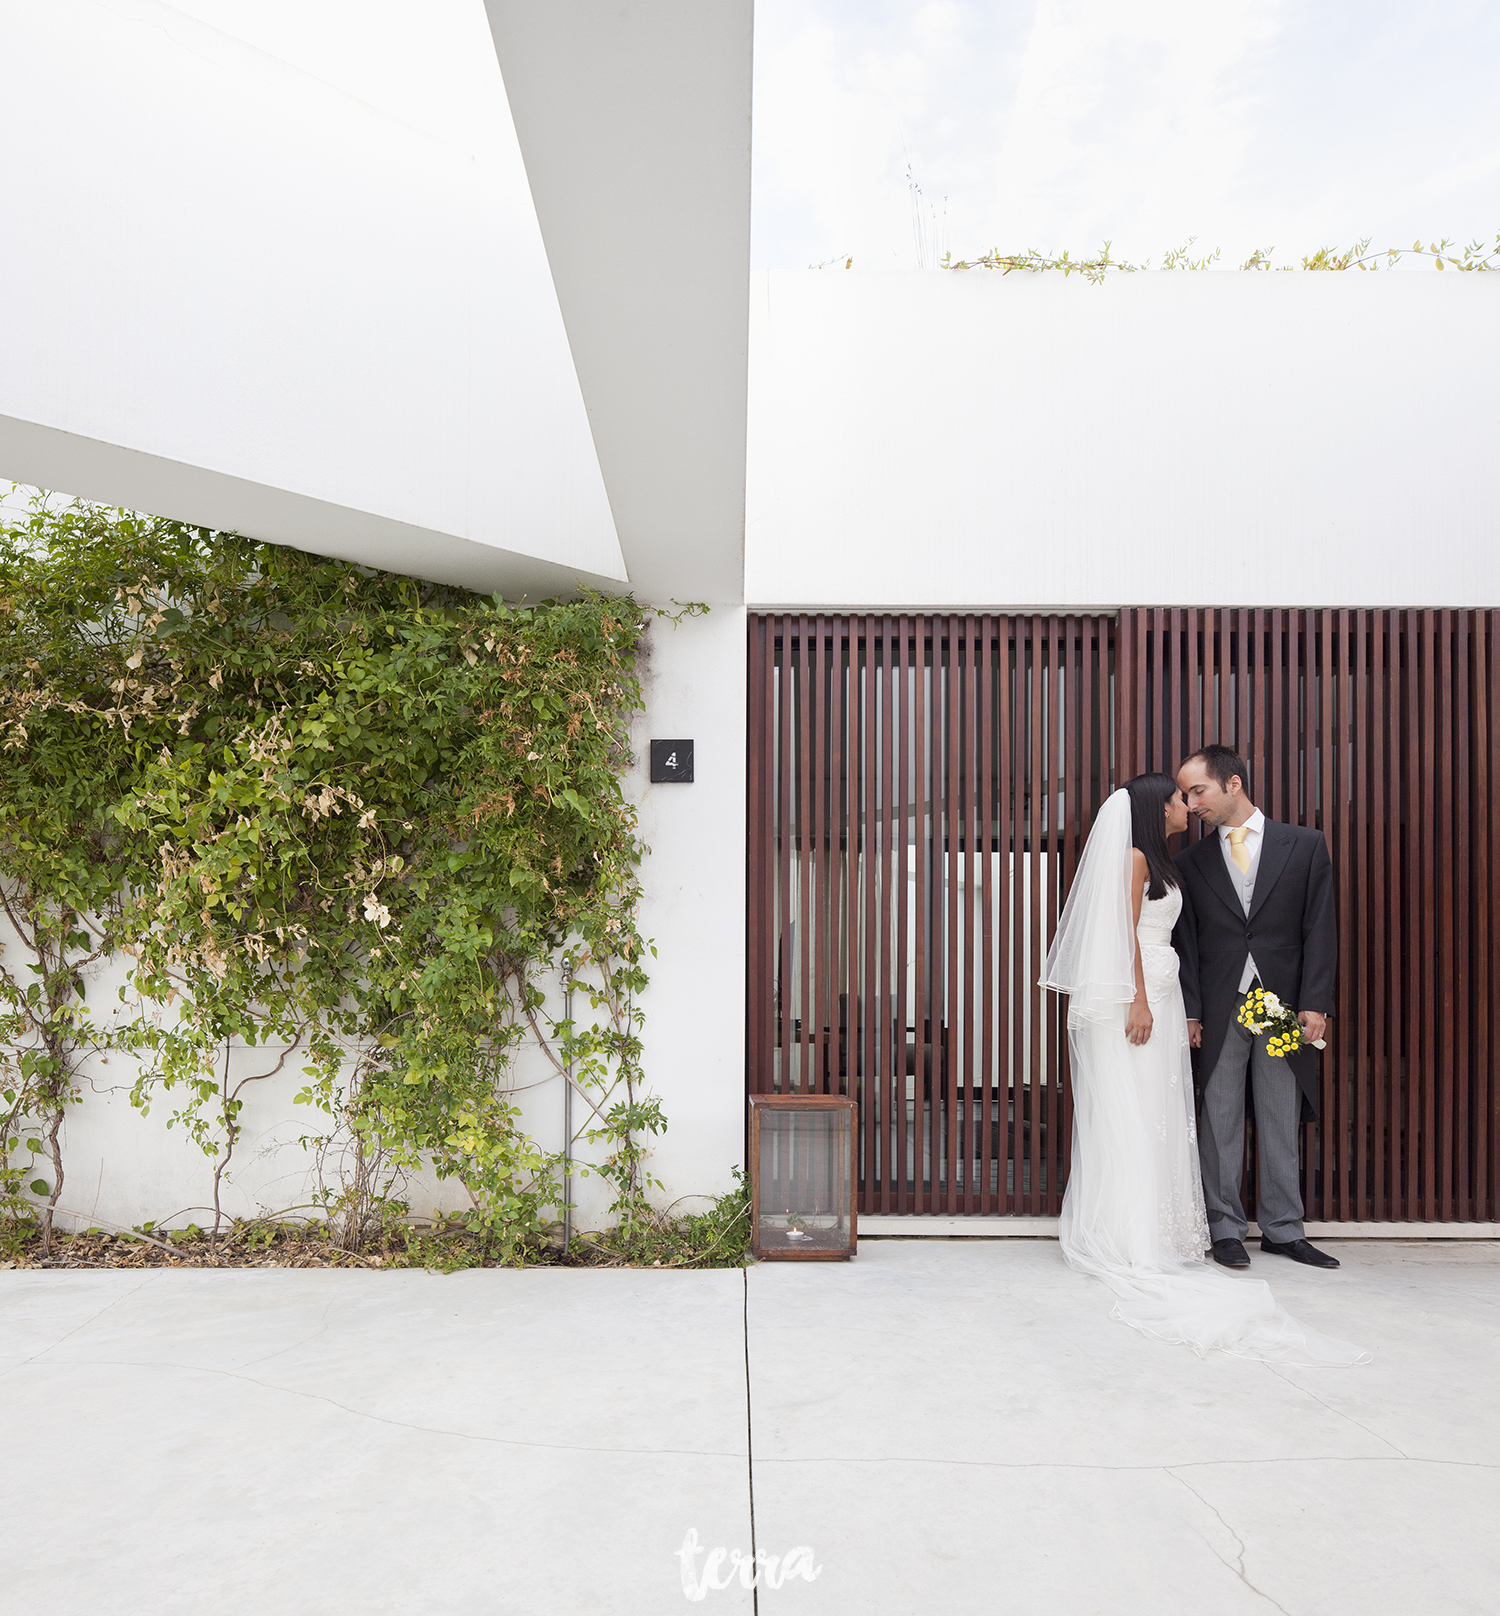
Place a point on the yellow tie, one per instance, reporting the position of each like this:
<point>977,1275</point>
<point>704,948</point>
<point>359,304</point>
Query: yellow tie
<point>1237,849</point>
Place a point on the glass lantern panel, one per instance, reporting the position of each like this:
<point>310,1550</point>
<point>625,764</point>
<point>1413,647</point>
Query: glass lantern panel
<point>804,1179</point>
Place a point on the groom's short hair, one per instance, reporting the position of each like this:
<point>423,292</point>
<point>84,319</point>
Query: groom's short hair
<point>1222,764</point>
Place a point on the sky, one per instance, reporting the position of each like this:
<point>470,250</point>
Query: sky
<point>1059,124</point>
<point>891,130</point>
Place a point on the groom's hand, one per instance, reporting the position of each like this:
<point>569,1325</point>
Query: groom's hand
<point>1195,1034</point>
<point>1314,1025</point>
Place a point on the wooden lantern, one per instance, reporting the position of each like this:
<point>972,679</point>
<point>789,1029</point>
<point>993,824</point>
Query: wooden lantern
<point>802,1181</point>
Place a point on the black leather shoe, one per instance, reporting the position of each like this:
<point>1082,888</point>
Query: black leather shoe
<point>1231,1253</point>
<point>1298,1251</point>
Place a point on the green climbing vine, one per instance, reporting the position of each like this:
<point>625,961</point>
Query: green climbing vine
<point>1443,254</point>
<point>350,820</point>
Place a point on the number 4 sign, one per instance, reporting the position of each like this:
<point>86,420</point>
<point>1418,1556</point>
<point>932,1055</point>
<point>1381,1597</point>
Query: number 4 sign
<point>671,760</point>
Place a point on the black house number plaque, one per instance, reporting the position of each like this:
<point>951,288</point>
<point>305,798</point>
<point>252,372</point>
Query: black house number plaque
<point>671,760</point>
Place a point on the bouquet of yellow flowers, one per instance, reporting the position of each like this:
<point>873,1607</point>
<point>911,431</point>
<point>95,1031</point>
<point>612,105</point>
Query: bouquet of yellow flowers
<point>1264,1012</point>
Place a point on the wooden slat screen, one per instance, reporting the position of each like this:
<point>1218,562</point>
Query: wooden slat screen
<point>920,787</point>
<point>1376,727</point>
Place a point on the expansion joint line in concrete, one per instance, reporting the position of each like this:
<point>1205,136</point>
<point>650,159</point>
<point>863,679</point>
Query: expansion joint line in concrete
<point>749,1447</point>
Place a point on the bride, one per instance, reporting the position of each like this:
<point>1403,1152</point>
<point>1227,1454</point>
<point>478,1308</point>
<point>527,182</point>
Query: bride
<point>1132,1214</point>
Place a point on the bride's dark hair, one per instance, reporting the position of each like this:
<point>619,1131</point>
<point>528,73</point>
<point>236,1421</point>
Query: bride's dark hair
<point>1149,796</point>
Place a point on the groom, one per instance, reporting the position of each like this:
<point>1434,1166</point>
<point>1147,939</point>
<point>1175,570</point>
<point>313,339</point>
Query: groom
<point>1257,909</point>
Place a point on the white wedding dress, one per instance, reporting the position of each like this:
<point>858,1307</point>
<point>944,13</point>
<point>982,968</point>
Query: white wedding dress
<point>1133,1213</point>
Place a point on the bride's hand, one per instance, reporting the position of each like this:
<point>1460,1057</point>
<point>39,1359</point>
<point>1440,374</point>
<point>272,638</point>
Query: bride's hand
<point>1138,1022</point>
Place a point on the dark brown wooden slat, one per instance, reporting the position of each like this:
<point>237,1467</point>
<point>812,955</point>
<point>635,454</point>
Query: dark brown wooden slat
<point>1381,1140</point>
<point>1057,886</point>
<point>1140,694</point>
<point>770,867</point>
<point>1034,823</point>
<point>905,680</point>
<point>1443,918</point>
<point>786,960</point>
<point>843,843</point>
<point>1442,871</point>
<point>968,976</point>
<point>1414,843</point>
<point>821,697</point>
<point>1125,694</point>
<point>1317,1167</point>
<point>926,1062</point>
<point>1359,964</point>
<point>1075,791</point>
<point>1462,923</point>
<point>883,955</point>
<point>755,821</point>
<point>820,1022</point>
<point>817,690</point>
<point>1491,1135</point>
<point>952,685</point>
<point>1255,724</point>
<point>1100,651</point>
<point>1428,946</point>
<point>771,861</point>
<point>984,759</point>
<point>1395,897</point>
<point>1331,1155</point>
<point>854,920</point>
<point>830,692</point>
<point>869,999</point>
<point>1176,737</point>
<point>1200,654</point>
<point>1345,1072</point>
<point>804,788</point>
<point>1008,639</point>
<point>1479,1000</point>
<point>1224,733</point>
<point>1273,786</point>
<point>1021,913</point>
<point>1047,1002</point>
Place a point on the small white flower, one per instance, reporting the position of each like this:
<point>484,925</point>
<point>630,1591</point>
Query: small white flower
<point>366,819</point>
<point>1274,1005</point>
<point>375,910</point>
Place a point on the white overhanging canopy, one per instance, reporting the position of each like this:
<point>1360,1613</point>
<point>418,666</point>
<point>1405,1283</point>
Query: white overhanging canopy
<point>247,297</point>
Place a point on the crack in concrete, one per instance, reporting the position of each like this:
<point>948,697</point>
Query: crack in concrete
<point>69,1334</point>
<point>1134,1469</point>
<point>321,1329</point>
<point>1338,1411</point>
<point>1238,1567</point>
<point>385,1419</point>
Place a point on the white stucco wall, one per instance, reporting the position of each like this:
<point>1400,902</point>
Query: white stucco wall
<point>123,1168</point>
<point>979,439</point>
<point>694,907</point>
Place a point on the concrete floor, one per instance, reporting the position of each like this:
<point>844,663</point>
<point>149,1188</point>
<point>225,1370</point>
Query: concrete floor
<point>950,1427</point>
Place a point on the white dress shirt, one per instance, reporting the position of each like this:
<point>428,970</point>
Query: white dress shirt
<point>1243,882</point>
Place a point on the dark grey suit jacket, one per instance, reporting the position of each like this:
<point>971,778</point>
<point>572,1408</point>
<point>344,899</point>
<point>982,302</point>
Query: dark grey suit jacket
<point>1291,930</point>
